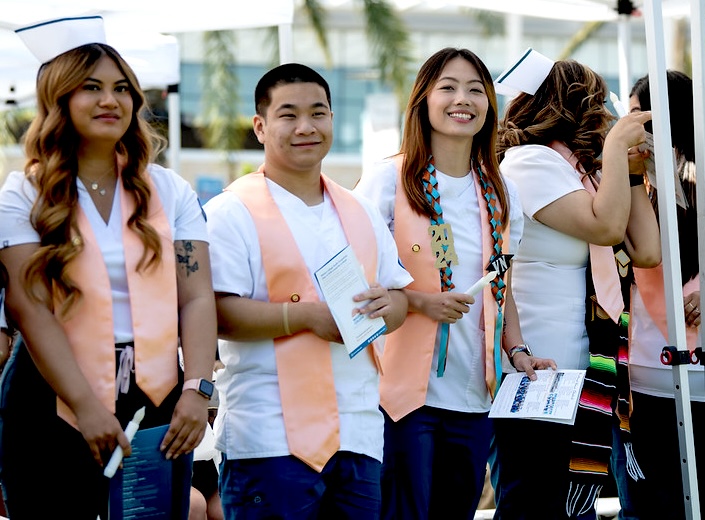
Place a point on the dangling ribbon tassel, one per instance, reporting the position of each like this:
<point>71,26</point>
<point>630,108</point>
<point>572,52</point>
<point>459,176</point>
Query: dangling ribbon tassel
<point>443,349</point>
<point>632,465</point>
<point>581,498</point>
<point>498,348</point>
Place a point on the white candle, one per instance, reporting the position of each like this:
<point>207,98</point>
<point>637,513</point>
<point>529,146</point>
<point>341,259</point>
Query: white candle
<point>117,455</point>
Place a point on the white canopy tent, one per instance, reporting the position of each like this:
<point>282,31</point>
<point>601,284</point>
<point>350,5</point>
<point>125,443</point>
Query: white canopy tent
<point>133,27</point>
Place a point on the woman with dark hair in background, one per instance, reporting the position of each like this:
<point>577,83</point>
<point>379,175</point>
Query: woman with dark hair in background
<point>654,423</point>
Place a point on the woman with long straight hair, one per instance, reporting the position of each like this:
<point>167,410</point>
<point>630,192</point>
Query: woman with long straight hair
<point>454,219</point>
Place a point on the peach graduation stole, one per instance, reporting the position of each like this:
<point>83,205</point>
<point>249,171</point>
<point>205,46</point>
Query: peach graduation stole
<point>304,363</point>
<point>650,285</point>
<point>408,351</point>
<point>605,275</point>
<point>153,303</point>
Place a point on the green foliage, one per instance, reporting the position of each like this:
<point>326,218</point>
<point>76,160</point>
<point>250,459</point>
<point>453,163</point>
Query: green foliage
<point>577,41</point>
<point>316,14</point>
<point>14,123</point>
<point>387,34</point>
<point>220,92</point>
<point>490,22</point>
<point>389,39</point>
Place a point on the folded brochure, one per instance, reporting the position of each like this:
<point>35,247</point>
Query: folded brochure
<point>340,279</point>
<point>554,396</point>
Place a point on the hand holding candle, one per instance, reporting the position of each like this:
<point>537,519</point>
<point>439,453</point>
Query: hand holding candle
<point>481,283</point>
<point>618,106</point>
<point>117,455</point>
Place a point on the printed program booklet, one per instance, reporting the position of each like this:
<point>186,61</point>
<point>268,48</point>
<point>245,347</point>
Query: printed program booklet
<point>340,279</point>
<point>554,396</point>
<point>148,486</point>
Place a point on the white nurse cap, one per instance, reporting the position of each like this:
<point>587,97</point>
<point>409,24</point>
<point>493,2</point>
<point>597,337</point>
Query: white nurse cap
<point>524,75</point>
<point>46,40</point>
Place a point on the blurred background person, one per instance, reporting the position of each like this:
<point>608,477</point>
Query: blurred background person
<point>654,423</point>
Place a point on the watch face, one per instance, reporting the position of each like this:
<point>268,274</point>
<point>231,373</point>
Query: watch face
<point>205,387</point>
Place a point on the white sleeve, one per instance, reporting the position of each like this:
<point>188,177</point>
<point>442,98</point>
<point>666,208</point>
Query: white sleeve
<point>181,204</point>
<point>541,175</point>
<point>16,199</point>
<point>516,216</point>
<point>378,184</point>
<point>233,242</point>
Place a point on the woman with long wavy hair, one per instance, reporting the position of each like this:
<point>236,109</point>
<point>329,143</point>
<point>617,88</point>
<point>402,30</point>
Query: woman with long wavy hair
<point>576,205</point>
<point>108,272</point>
<point>439,367</point>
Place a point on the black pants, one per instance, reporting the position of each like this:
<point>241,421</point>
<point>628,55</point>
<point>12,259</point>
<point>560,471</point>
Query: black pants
<point>655,439</point>
<point>47,469</point>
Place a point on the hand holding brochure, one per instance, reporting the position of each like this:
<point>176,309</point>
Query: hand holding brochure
<point>554,396</point>
<point>340,279</point>
<point>148,485</point>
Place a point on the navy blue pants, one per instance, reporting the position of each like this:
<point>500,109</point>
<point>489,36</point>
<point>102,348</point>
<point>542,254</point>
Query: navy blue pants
<point>286,488</point>
<point>434,464</point>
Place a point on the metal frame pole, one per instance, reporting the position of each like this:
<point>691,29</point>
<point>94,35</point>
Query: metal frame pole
<point>673,284</point>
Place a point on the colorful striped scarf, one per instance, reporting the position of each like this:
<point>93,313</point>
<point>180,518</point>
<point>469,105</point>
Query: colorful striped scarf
<point>606,384</point>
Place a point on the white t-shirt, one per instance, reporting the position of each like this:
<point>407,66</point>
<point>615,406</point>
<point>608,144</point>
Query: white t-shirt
<point>249,422</point>
<point>646,372</point>
<point>548,271</point>
<point>180,204</point>
<point>462,387</point>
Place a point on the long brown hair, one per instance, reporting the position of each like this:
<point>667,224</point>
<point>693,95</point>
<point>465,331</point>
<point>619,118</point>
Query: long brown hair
<point>568,107</point>
<point>416,140</point>
<point>51,146</point>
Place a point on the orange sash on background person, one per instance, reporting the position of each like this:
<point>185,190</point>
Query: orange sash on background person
<point>408,351</point>
<point>652,291</point>
<point>153,304</point>
<point>304,363</point>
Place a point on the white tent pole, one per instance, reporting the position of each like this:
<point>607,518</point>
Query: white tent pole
<point>286,43</point>
<point>665,183</point>
<point>514,30</point>
<point>697,26</point>
<point>174,110</point>
<point>624,43</point>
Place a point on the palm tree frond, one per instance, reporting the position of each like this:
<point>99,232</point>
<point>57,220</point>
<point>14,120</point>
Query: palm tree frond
<point>222,125</point>
<point>389,39</point>
<point>317,15</point>
<point>583,35</point>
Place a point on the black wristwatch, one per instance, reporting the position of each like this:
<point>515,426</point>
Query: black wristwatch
<point>202,387</point>
<point>518,348</point>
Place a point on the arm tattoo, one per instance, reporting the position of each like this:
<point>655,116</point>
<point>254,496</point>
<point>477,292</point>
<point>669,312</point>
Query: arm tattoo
<point>184,256</point>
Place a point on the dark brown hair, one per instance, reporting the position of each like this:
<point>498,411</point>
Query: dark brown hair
<point>416,139</point>
<point>567,107</point>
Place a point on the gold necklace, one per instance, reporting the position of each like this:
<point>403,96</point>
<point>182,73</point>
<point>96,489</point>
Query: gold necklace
<point>94,183</point>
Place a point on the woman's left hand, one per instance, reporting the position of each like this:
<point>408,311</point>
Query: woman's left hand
<point>529,364</point>
<point>691,307</point>
<point>187,427</point>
